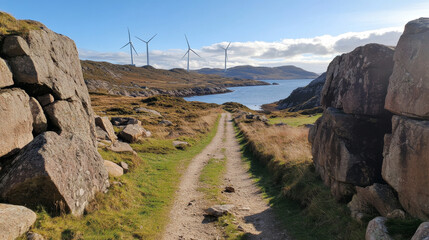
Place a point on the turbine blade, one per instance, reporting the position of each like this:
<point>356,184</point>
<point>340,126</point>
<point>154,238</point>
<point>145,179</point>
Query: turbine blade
<point>132,46</point>
<point>185,54</point>
<point>228,45</point>
<point>195,53</point>
<point>189,47</point>
<point>129,36</point>
<point>152,37</point>
<point>141,39</point>
<point>125,45</point>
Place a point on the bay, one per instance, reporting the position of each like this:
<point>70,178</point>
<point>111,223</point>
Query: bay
<point>255,96</point>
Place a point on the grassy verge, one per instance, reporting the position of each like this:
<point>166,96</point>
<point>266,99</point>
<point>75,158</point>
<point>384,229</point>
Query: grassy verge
<point>138,203</point>
<point>295,121</point>
<point>280,160</point>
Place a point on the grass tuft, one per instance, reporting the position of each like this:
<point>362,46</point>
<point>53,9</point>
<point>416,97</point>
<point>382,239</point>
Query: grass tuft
<point>9,25</point>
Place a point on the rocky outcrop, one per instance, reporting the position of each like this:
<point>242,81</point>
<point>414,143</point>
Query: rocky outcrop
<point>16,120</point>
<point>357,82</point>
<point>304,97</point>
<point>406,164</point>
<point>406,151</point>
<point>54,171</point>
<point>347,150</point>
<point>48,145</point>
<point>409,86</point>
<point>15,221</point>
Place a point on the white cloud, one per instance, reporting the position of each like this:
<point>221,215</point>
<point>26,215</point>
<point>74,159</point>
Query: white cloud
<point>313,54</point>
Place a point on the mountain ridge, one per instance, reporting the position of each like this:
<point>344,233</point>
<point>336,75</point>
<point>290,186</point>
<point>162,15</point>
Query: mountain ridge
<point>261,73</point>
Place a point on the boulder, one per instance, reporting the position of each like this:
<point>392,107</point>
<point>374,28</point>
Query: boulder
<point>406,164</point>
<point>304,97</point>
<point>422,232</point>
<point>113,169</point>
<point>132,133</point>
<point>16,120</point>
<point>347,150</point>
<point>40,123</point>
<point>101,134</point>
<point>14,46</point>
<point>165,122</point>
<point>45,99</point>
<point>47,62</point>
<point>357,82</point>
<point>180,144</point>
<point>219,210</point>
<point>15,221</point>
<point>5,75</point>
<point>124,166</point>
<point>409,86</point>
<point>359,208</point>
<point>106,125</point>
<point>377,230</point>
<point>119,146</point>
<point>34,236</point>
<point>146,110</point>
<point>72,118</point>
<point>60,173</point>
<point>379,196</point>
<point>120,121</point>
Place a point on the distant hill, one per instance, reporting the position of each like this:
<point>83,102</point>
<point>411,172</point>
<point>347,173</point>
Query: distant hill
<point>261,73</point>
<point>104,77</point>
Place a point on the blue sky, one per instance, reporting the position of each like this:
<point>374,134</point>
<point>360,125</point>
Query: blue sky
<point>261,31</point>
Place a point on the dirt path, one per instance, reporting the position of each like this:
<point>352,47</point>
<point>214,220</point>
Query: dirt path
<point>252,212</point>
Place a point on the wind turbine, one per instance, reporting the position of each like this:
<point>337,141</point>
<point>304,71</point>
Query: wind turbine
<point>226,53</point>
<point>147,47</point>
<point>189,51</point>
<point>131,47</point>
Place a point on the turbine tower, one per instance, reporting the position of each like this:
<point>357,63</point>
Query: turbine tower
<point>131,47</point>
<point>226,53</point>
<point>189,51</point>
<point>147,47</point>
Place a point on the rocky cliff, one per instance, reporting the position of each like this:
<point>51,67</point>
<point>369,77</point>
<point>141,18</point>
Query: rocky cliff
<point>304,97</point>
<point>358,148</point>
<point>48,153</point>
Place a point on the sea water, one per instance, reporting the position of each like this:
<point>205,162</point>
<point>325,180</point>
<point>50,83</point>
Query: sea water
<point>255,96</point>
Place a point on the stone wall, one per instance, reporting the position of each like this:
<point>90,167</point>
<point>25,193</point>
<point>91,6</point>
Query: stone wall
<point>48,152</point>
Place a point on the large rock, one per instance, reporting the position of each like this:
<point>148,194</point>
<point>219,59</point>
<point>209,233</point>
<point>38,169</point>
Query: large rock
<point>16,120</point>
<point>106,125</point>
<point>61,173</point>
<point>304,97</point>
<point>347,150</point>
<point>377,230</point>
<point>47,62</point>
<point>119,146</point>
<point>40,123</point>
<point>357,82</point>
<point>409,84</point>
<point>15,221</point>
<point>406,164</point>
<point>14,46</point>
<point>422,232</point>
<point>132,133</point>
<point>379,196</point>
<point>72,118</point>
<point>5,75</point>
